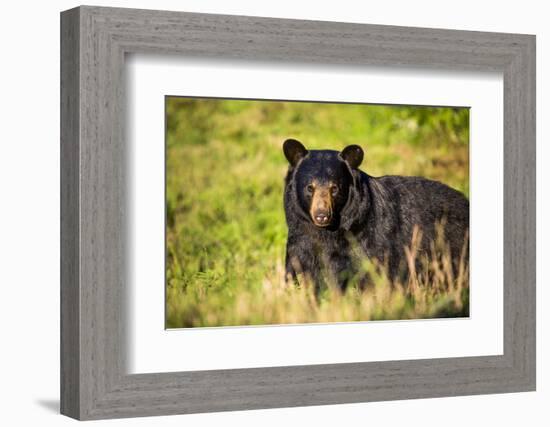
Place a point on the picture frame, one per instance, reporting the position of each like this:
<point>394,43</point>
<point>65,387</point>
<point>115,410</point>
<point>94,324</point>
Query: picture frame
<point>94,267</point>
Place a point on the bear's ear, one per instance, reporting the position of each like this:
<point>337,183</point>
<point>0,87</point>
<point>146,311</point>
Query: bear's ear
<point>294,151</point>
<point>353,155</point>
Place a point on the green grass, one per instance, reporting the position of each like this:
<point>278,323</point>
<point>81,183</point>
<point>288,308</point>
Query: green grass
<point>226,231</point>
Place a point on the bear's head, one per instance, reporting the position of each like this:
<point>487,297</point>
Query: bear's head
<point>322,180</point>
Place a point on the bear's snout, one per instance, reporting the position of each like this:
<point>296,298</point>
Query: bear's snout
<point>321,207</point>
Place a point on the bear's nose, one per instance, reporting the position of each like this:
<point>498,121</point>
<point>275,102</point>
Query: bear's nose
<point>322,217</point>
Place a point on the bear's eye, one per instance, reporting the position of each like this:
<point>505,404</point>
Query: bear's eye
<point>309,189</point>
<point>334,190</point>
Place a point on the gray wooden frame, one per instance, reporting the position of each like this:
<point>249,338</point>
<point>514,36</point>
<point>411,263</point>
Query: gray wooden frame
<point>94,382</point>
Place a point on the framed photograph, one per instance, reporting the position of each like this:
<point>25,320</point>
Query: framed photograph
<point>232,262</point>
<point>261,213</point>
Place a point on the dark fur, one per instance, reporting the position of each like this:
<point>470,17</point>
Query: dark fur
<point>377,213</point>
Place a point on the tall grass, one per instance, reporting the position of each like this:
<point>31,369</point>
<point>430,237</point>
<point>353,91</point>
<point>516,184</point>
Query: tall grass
<point>226,231</point>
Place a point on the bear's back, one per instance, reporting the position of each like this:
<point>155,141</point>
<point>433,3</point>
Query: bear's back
<point>423,194</point>
<point>423,202</point>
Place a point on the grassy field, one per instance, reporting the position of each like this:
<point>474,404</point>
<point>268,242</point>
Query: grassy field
<point>226,231</point>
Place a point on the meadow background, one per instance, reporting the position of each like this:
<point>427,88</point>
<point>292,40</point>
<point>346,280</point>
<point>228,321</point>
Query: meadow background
<point>225,225</point>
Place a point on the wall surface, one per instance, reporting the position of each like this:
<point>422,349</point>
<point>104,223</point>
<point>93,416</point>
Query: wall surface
<point>29,214</point>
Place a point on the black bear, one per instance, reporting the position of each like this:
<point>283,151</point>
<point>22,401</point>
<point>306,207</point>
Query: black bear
<point>332,208</point>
